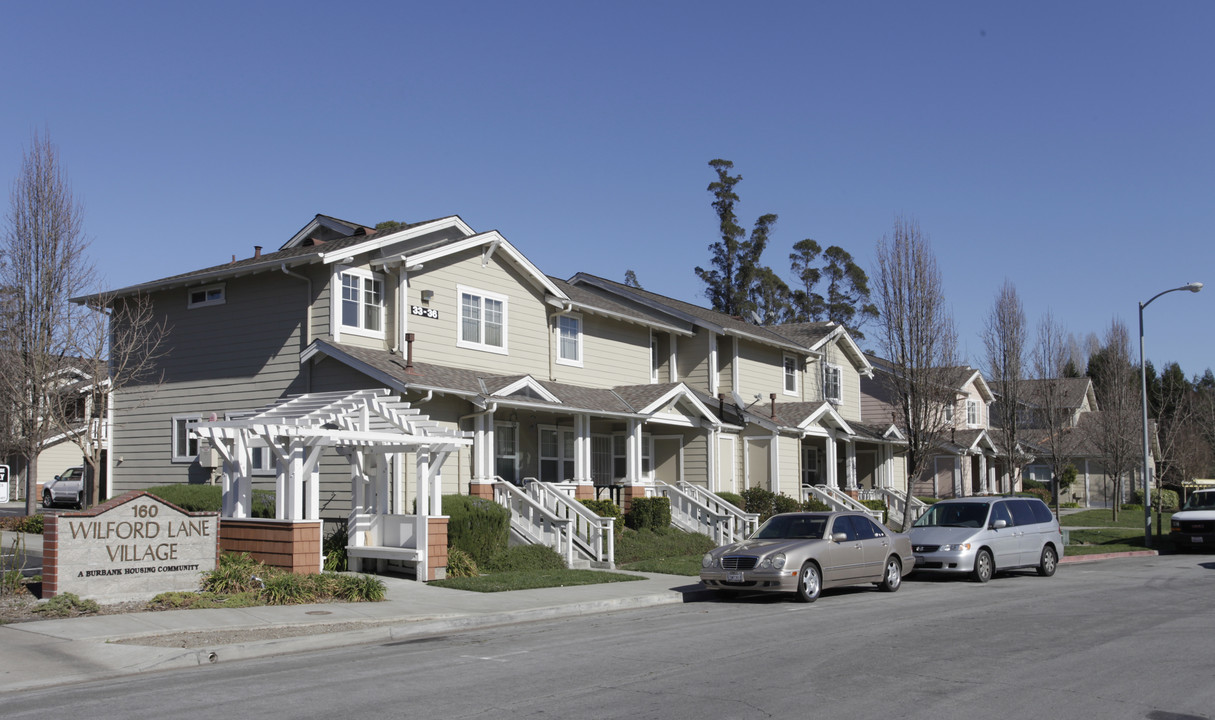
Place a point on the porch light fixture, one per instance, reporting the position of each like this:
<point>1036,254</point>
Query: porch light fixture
<point>1147,468</point>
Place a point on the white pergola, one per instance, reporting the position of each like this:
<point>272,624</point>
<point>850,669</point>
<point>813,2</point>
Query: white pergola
<point>369,428</point>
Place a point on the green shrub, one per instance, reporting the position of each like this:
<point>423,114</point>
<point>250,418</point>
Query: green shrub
<point>334,547</point>
<point>32,524</point>
<point>646,513</point>
<point>1168,498</point>
<point>477,526</point>
<point>927,500</point>
<point>813,504</point>
<point>874,504</point>
<point>1041,493</point>
<point>766,503</point>
<point>241,575</point>
<point>210,498</point>
<point>1069,505</point>
<point>525,557</point>
<point>1135,507</point>
<point>605,508</point>
<point>460,564</point>
<point>638,545</point>
<point>1028,485</point>
<point>733,498</point>
<point>66,605</point>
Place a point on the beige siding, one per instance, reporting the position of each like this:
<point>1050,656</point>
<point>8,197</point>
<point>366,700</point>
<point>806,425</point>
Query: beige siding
<point>527,327</point>
<point>693,361</point>
<point>850,382</point>
<point>761,370</point>
<point>696,458</point>
<point>614,353</point>
<point>57,458</point>
<point>789,467</point>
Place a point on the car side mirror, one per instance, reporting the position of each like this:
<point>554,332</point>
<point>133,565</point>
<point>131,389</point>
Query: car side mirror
<point>839,537</point>
<point>999,524</point>
<point>57,477</point>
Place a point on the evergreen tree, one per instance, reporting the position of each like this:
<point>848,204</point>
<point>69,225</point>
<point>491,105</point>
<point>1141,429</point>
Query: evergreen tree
<point>735,257</point>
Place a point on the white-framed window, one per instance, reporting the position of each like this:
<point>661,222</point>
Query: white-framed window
<point>832,382</point>
<point>482,320</point>
<point>972,412</point>
<point>949,413</point>
<point>790,369</point>
<point>556,454</point>
<point>205,296</point>
<point>569,340</point>
<point>620,457</point>
<point>506,451</point>
<point>185,444</point>
<point>263,456</point>
<point>361,309</point>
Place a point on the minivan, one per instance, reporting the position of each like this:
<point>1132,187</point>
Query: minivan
<point>982,535</point>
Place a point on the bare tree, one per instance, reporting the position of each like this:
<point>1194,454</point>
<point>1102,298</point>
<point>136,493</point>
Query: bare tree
<point>1004,338</point>
<point>44,262</point>
<point>918,338</point>
<point>1118,425</point>
<point>118,345</point>
<point>1051,354</point>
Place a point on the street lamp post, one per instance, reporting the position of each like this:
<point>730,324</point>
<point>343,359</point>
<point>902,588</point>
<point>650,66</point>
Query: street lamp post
<point>1147,466</point>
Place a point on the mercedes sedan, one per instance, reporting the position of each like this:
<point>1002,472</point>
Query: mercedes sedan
<point>804,553</point>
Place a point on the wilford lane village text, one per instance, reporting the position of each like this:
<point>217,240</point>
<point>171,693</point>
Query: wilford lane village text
<point>134,540</point>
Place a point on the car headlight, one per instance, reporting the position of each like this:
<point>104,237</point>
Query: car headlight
<point>1175,525</point>
<point>776,561</point>
<point>959,547</point>
<point>707,561</point>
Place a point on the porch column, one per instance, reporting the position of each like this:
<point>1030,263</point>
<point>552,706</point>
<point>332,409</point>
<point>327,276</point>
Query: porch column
<point>831,460</point>
<point>991,478</point>
<point>711,460</point>
<point>983,474</point>
<point>582,458</point>
<point>850,465</point>
<point>482,484</point>
<point>957,476</point>
<point>1087,497</point>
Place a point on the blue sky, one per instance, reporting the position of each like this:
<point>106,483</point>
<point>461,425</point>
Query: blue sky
<point>1068,147</point>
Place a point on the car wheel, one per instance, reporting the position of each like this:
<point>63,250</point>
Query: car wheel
<point>892,578</point>
<point>1049,562</point>
<point>809,584</point>
<point>984,567</point>
<point>46,500</point>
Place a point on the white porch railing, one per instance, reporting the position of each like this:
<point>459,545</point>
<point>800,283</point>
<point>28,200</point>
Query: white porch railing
<point>548,515</point>
<point>695,509</point>
<point>896,503</point>
<point>533,522</point>
<point>838,499</point>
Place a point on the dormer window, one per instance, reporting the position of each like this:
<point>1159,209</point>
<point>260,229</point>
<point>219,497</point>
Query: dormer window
<point>790,369</point>
<point>949,414</point>
<point>205,296</point>
<point>972,413</point>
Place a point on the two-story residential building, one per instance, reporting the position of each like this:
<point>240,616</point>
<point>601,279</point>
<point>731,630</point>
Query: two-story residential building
<point>589,385</point>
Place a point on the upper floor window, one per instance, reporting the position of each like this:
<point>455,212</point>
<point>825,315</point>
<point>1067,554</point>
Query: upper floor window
<point>185,443</point>
<point>949,413</point>
<point>482,320</point>
<point>204,296</point>
<point>362,310</point>
<point>972,412</point>
<point>790,367</point>
<point>654,361</point>
<point>832,383</point>
<point>569,340</point>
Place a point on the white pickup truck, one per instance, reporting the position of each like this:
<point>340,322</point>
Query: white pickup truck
<point>1193,526</point>
<point>65,489</point>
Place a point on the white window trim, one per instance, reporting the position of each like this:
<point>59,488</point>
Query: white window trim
<point>949,413</point>
<point>257,443</point>
<point>206,290</point>
<point>839,385</point>
<point>461,291</point>
<point>654,359</point>
<point>978,420</point>
<point>786,359</point>
<point>338,300</point>
<point>182,423</point>
<point>575,362</point>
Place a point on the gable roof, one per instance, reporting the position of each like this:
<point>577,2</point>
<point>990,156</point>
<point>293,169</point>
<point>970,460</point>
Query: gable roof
<point>1071,392</point>
<point>817,335</point>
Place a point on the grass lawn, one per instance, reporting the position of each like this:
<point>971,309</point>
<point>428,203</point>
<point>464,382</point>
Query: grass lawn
<point>1110,540</point>
<point>529,579</point>
<point>1104,517</point>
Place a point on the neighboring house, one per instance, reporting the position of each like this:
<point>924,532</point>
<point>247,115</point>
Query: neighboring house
<point>589,385</point>
<point>968,460</point>
<point>84,408</point>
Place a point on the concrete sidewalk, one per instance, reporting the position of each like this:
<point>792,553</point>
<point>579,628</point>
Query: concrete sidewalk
<point>73,650</point>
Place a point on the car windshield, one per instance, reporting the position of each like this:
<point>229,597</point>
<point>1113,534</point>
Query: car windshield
<point>792,527</point>
<point>1200,501</point>
<point>971,515</point>
<point>71,475</point>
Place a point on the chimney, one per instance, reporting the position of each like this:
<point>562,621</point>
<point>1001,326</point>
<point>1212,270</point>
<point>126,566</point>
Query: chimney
<point>409,354</point>
<point>257,251</point>
<point>772,397</point>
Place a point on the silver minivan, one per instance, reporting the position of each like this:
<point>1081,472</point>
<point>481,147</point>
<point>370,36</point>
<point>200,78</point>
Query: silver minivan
<point>981,535</point>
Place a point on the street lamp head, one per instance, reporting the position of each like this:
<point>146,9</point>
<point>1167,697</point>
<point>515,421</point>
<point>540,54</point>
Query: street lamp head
<point>1194,286</point>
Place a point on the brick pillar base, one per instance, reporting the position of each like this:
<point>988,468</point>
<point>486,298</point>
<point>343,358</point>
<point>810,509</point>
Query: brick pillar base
<point>854,494</point>
<point>481,490</point>
<point>628,493</point>
<point>584,492</point>
<point>436,548</point>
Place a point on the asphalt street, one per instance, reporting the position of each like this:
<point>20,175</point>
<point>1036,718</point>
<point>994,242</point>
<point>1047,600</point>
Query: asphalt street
<point>1122,638</point>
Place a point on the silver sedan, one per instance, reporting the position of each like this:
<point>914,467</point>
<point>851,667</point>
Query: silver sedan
<point>804,553</point>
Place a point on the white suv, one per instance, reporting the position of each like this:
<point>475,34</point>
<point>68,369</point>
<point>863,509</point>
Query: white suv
<point>65,489</point>
<point>1193,525</point>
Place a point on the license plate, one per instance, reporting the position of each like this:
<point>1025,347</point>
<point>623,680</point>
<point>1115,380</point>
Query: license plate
<point>1197,539</point>
<point>734,577</point>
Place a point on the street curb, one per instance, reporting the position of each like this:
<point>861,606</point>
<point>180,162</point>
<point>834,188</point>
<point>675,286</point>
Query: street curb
<point>1107,556</point>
